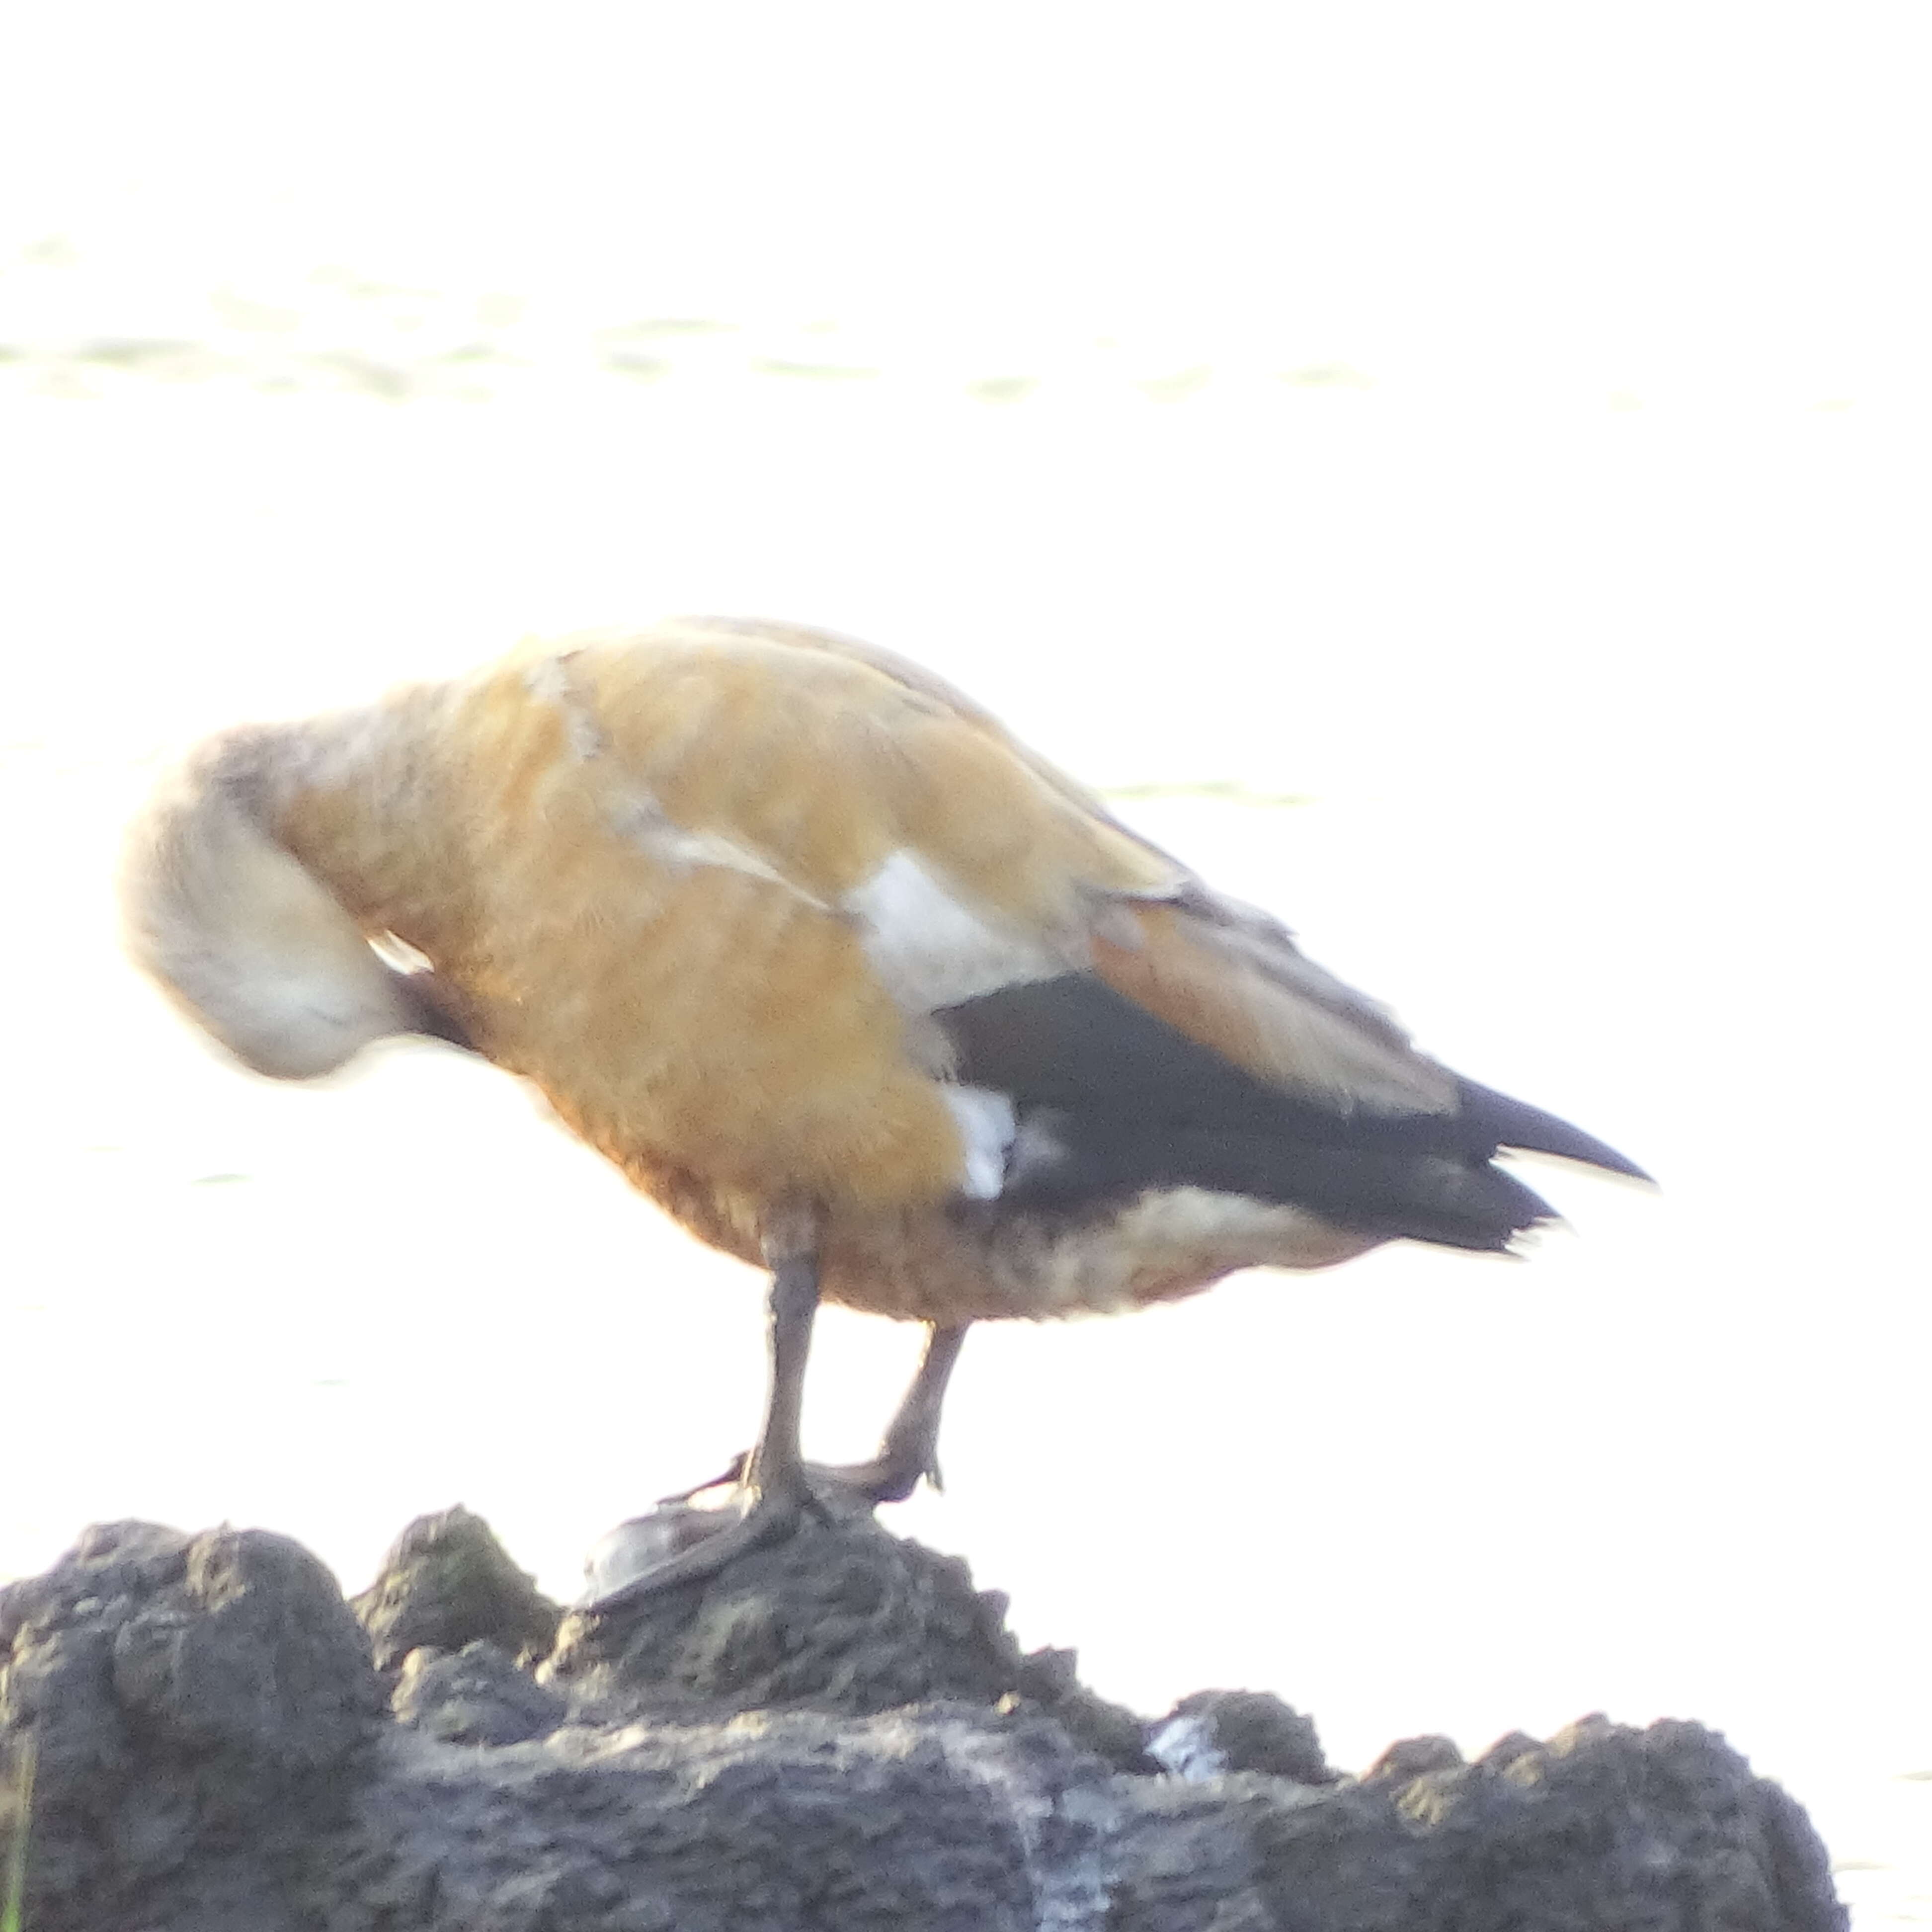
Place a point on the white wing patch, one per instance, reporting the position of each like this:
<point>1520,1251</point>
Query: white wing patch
<point>929,950</point>
<point>986,1126</point>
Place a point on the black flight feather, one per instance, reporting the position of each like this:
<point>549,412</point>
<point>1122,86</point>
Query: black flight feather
<point>1127,1102</point>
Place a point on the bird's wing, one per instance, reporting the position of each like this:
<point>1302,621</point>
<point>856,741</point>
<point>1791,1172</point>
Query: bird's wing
<point>1210,973</point>
<point>971,867</point>
<point>1232,978</point>
<point>860,875</point>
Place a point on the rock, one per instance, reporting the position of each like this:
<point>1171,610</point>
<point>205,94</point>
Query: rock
<point>1215,1732</point>
<point>447,1582</point>
<point>1183,1856</point>
<point>841,1616</point>
<point>1603,1826</point>
<point>478,1696</point>
<point>190,1698</point>
<point>1506,1750</point>
<point>1409,1758</point>
<point>836,1735</point>
<point>939,1821</point>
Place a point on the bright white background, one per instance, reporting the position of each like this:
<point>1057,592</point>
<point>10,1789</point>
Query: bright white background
<point>1503,427</point>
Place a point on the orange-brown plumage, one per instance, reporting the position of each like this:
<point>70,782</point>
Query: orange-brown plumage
<point>671,1008</point>
<point>800,938</point>
<point>523,830</point>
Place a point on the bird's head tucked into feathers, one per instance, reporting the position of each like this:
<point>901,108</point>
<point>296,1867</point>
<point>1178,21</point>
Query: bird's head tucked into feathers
<point>245,940</point>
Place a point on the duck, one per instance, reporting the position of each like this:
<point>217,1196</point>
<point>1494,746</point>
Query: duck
<point>851,983</point>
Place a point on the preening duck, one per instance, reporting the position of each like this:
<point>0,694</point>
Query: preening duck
<point>850,982</point>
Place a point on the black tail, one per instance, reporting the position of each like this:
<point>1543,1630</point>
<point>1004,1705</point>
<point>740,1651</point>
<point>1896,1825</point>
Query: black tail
<point>1112,1102</point>
<point>1396,1193</point>
<point>1504,1123</point>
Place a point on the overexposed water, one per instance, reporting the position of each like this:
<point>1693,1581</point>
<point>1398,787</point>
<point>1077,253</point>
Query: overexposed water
<point>1596,682</point>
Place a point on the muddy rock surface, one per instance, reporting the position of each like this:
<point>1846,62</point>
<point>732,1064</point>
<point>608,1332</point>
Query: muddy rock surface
<point>843,1616</point>
<point>446,1583</point>
<point>195,1707</point>
<point>839,1732</point>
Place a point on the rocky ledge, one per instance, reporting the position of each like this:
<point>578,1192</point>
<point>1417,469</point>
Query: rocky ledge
<point>837,1733</point>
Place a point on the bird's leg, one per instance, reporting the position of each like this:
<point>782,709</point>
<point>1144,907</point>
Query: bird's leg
<point>776,1466</point>
<point>774,1487</point>
<point>909,1449</point>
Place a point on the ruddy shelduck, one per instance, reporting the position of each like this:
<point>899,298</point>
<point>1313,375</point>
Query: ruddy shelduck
<point>849,982</point>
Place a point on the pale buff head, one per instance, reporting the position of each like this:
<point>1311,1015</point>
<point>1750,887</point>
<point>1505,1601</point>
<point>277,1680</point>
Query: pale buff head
<point>242,936</point>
